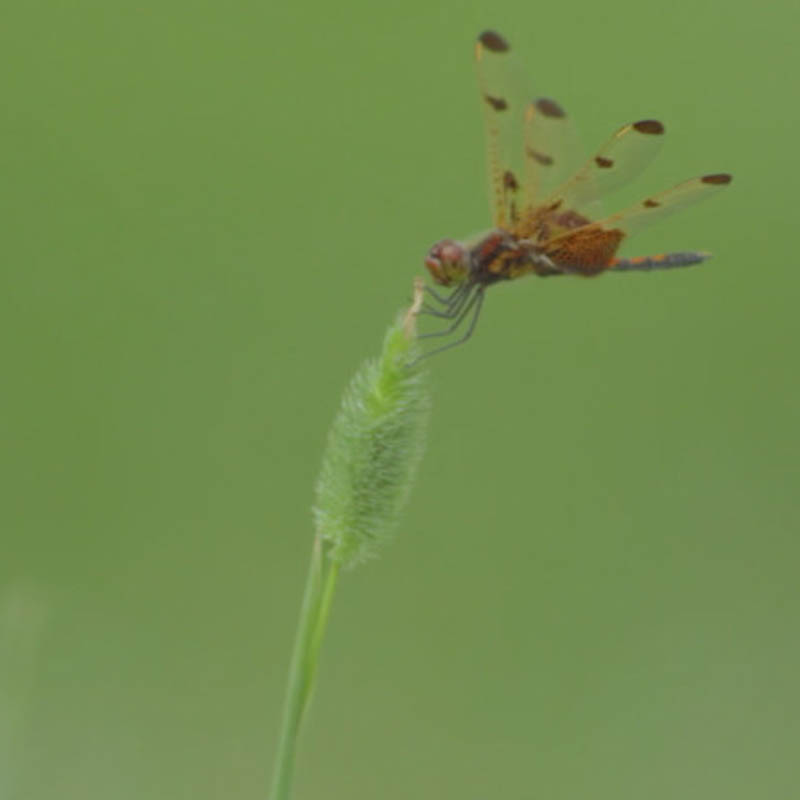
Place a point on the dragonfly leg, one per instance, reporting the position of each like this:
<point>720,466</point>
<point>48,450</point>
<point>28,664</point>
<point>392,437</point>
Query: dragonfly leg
<point>459,316</point>
<point>476,301</point>
<point>445,301</point>
<point>458,298</point>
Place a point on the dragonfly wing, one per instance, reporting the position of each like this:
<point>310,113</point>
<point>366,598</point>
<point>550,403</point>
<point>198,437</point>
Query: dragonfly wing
<point>550,149</point>
<point>529,141</point>
<point>623,157</point>
<point>502,119</point>
<point>591,248</point>
<point>659,206</point>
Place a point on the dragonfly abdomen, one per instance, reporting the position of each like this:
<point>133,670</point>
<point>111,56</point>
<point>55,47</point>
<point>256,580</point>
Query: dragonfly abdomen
<point>661,261</point>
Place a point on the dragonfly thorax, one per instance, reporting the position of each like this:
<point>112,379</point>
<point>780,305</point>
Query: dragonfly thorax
<point>502,256</point>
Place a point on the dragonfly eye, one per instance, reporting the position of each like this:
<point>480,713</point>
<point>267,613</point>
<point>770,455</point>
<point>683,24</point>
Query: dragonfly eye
<point>447,262</point>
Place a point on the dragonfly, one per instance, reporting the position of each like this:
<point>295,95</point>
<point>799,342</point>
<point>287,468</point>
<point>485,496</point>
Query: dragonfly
<point>541,213</point>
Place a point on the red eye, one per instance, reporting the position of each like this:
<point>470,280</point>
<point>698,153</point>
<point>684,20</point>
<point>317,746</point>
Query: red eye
<point>446,261</point>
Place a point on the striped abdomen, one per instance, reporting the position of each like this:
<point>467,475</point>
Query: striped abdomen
<point>661,261</point>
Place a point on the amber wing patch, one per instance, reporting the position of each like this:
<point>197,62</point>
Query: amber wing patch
<point>587,251</point>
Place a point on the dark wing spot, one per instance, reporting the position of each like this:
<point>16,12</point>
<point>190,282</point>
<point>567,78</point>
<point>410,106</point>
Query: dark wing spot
<point>649,126</point>
<point>721,178</point>
<point>509,181</point>
<point>493,41</point>
<point>497,103</point>
<point>540,158</point>
<point>605,163</point>
<point>651,203</point>
<point>549,107</point>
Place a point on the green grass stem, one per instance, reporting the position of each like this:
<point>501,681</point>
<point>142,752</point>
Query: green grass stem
<point>374,446</point>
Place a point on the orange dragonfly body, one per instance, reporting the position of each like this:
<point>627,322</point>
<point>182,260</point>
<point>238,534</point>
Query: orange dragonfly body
<point>543,217</point>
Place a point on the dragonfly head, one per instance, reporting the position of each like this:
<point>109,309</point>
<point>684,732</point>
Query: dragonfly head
<point>448,262</point>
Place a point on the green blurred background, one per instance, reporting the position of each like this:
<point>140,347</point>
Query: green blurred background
<point>210,213</point>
